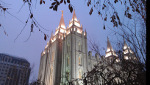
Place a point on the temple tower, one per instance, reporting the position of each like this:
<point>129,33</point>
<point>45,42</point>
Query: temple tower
<point>65,55</point>
<point>74,53</point>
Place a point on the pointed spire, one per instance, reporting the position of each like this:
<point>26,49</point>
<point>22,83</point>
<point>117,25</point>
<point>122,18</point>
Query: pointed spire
<point>110,51</point>
<point>127,47</point>
<point>51,35</point>
<point>62,23</point>
<point>108,44</point>
<point>74,15</point>
<point>125,44</point>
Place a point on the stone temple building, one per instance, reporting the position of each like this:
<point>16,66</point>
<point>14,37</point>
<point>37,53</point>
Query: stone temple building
<point>65,56</point>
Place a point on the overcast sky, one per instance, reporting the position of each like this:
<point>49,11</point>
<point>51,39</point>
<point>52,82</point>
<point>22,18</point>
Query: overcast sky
<point>49,19</point>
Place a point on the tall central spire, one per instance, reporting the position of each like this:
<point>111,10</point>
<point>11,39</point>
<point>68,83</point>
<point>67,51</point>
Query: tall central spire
<point>62,23</point>
<point>74,15</point>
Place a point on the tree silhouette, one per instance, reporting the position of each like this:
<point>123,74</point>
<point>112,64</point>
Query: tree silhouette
<point>105,8</point>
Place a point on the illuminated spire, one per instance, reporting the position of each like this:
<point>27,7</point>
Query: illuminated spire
<point>74,15</point>
<point>62,23</point>
<point>109,45</point>
<point>128,53</point>
<point>109,51</point>
<point>125,43</point>
<point>126,47</point>
<point>51,35</point>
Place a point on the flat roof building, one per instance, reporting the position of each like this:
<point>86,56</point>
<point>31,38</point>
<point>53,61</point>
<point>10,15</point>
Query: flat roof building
<point>14,70</point>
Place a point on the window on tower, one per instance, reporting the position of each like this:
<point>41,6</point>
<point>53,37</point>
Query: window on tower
<point>80,47</point>
<point>68,48</point>
<point>67,61</point>
<point>80,60</point>
<point>80,74</point>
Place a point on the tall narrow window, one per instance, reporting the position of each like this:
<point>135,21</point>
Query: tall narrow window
<point>80,47</point>
<point>68,48</point>
<point>80,60</point>
<point>67,61</point>
<point>80,74</point>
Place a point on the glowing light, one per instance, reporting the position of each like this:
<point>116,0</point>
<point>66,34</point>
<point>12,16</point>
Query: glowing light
<point>44,52</point>
<point>77,24</point>
<point>74,19</point>
<point>46,46</point>
<point>117,60</point>
<point>126,51</point>
<point>68,32</point>
<point>126,57</point>
<point>79,31</point>
<point>56,32</point>
<point>114,54</point>
<point>63,26</point>
<point>131,51</point>
<point>108,50</point>
<point>124,47</point>
<point>53,39</point>
<point>62,30</point>
<point>70,24</point>
<point>108,54</point>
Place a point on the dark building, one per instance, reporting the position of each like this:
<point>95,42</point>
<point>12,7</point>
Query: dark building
<point>13,70</point>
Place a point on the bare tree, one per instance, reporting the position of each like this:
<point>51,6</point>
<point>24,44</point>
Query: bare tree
<point>106,72</point>
<point>105,8</point>
<point>116,73</point>
<point>134,34</point>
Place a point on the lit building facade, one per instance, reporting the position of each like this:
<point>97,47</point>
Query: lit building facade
<point>13,70</point>
<point>65,58</point>
<point>65,55</point>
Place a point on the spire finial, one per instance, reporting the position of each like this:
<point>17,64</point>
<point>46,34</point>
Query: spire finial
<point>107,39</point>
<point>62,23</point>
<point>62,12</point>
<point>108,43</point>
